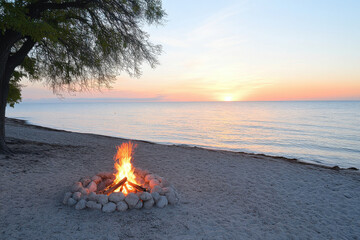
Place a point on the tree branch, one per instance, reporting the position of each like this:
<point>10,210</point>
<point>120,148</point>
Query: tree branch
<point>37,8</point>
<point>17,58</point>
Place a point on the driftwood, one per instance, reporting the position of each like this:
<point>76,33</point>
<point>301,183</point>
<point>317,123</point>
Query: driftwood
<point>122,185</point>
<point>137,187</point>
<point>116,186</point>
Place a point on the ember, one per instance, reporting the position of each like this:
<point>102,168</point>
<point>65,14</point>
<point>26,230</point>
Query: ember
<point>127,188</point>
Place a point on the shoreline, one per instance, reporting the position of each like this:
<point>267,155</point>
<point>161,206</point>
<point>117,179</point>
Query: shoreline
<point>223,194</point>
<point>255,155</point>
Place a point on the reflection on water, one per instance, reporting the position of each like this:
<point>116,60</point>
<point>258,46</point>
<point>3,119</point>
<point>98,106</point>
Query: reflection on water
<point>322,132</point>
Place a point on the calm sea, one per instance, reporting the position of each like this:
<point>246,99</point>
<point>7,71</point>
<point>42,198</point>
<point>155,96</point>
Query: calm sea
<point>320,132</point>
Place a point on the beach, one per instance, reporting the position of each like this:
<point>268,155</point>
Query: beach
<point>223,194</point>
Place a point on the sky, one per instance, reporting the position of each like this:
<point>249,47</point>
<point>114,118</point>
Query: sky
<point>237,50</point>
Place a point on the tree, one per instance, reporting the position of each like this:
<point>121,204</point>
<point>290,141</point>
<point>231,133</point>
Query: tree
<point>72,44</point>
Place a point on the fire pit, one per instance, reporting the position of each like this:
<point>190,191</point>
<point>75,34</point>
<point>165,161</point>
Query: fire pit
<point>125,188</point>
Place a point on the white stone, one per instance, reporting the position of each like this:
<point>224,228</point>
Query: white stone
<point>139,205</point>
<point>145,196</point>
<point>76,187</point>
<point>164,183</point>
<point>76,196</point>
<point>101,198</point>
<point>141,173</point>
<point>96,179</point>
<point>104,184</point>
<point>109,207</point>
<point>92,196</point>
<point>171,197</point>
<point>153,183</point>
<point>85,181</point>
<point>140,181</point>
<point>71,202</point>
<point>81,204</point>
<point>156,188</point>
<point>93,205</point>
<point>116,197</point>
<point>122,206</point>
<point>149,203</point>
<point>92,186</point>
<point>162,202</point>
<point>131,199</point>
<point>66,197</point>
<point>156,196</point>
<point>105,175</point>
<point>85,197</point>
<point>167,190</point>
<point>149,177</point>
<point>84,191</point>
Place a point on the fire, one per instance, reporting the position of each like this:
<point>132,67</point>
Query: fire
<point>124,167</point>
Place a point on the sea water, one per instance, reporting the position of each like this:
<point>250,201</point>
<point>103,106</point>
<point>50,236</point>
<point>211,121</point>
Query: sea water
<point>323,132</point>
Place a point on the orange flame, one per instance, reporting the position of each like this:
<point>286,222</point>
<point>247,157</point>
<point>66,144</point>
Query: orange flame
<point>124,167</point>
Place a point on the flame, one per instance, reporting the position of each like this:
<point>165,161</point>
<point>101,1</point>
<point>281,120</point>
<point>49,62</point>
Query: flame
<point>124,167</point>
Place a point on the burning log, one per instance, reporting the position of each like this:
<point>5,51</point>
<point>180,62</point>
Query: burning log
<point>137,187</point>
<point>116,186</point>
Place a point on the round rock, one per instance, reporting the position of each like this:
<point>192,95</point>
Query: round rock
<point>109,207</point>
<point>85,181</point>
<point>167,189</point>
<point>149,203</point>
<point>149,177</point>
<point>96,179</point>
<point>131,199</point>
<point>93,205</point>
<point>164,183</point>
<point>122,206</point>
<point>105,174</point>
<point>153,183</point>
<point>71,202</point>
<point>92,196</point>
<point>84,191</point>
<point>141,173</point>
<point>80,205</point>
<point>104,184</point>
<point>76,187</point>
<point>162,202</point>
<point>139,205</point>
<point>66,197</point>
<point>156,196</point>
<point>92,186</point>
<point>101,198</point>
<point>145,196</point>
<point>156,188</point>
<point>171,197</point>
<point>76,196</point>
<point>116,197</point>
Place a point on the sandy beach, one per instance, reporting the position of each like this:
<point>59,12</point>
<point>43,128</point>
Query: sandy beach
<point>223,195</point>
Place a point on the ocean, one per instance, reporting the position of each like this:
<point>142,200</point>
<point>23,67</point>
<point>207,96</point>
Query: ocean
<point>322,132</point>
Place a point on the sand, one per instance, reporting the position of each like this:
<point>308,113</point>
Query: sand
<point>224,195</point>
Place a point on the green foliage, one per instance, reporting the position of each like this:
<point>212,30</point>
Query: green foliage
<point>14,90</point>
<point>26,69</point>
<point>78,44</point>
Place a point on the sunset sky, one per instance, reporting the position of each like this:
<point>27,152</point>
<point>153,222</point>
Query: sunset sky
<point>236,50</point>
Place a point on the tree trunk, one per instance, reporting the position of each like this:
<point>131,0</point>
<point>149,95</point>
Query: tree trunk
<point>7,40</point>
<point>8,63</point>
<point>4,90</point>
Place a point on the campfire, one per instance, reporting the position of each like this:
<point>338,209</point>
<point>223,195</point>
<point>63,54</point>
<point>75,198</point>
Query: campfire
<point>125,188</point>
<point>125,179</point>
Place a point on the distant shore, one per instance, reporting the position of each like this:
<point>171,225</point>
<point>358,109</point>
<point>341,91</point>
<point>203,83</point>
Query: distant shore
<point>223,194</point>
